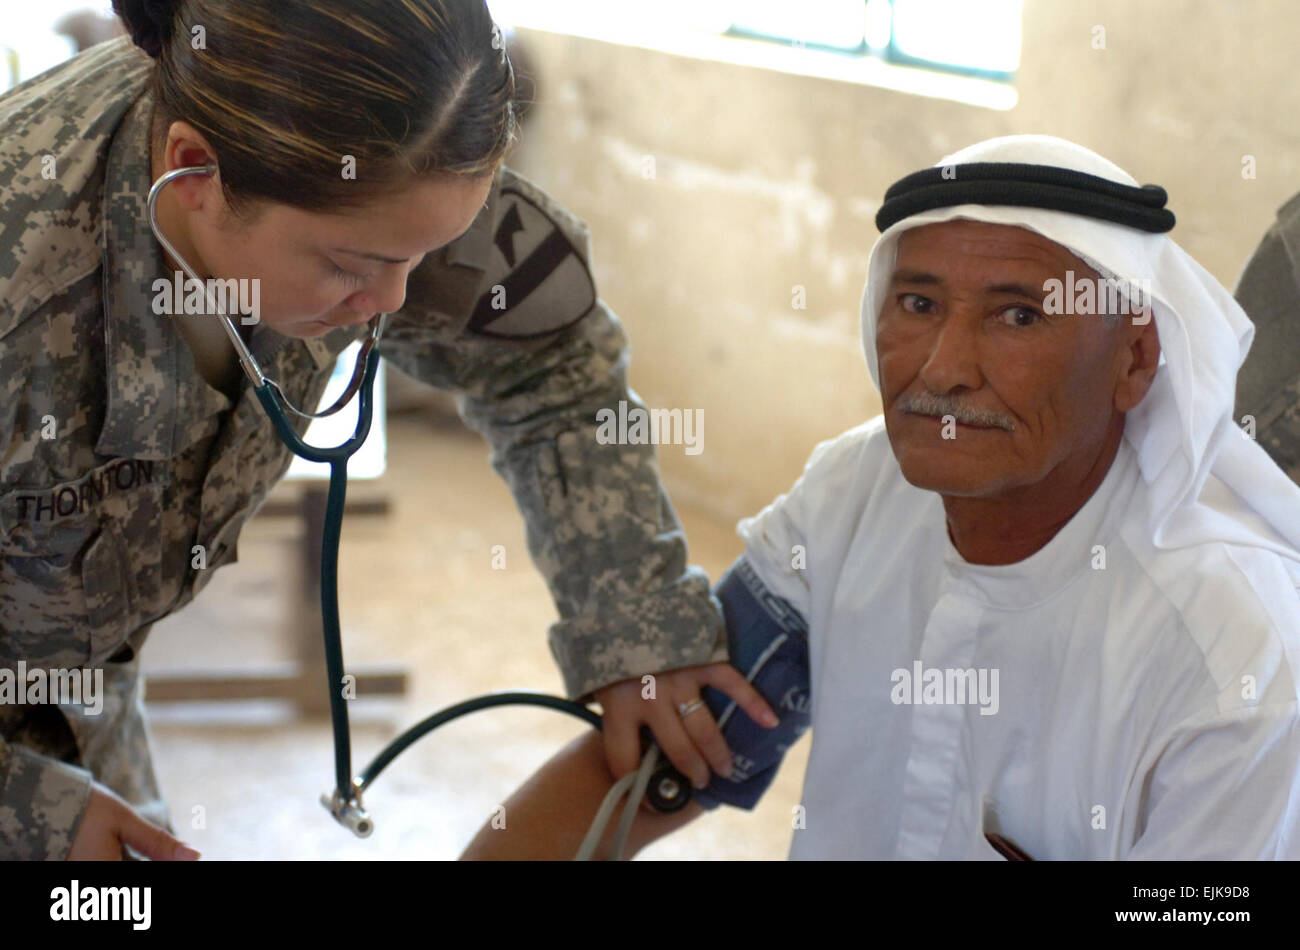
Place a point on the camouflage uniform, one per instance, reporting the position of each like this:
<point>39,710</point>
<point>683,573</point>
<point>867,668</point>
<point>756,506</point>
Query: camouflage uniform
<point>98,524</point>
<point>1268,386</point>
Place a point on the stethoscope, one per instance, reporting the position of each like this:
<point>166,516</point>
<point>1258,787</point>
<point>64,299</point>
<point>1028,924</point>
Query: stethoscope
<point>661,784</point>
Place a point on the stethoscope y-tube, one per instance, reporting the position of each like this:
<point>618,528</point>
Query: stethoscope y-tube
<point>666,789</point>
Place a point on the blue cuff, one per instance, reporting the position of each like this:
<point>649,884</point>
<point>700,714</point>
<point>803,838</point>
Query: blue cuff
<point>768,641</point>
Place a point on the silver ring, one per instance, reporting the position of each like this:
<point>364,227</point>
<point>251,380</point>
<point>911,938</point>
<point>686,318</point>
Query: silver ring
<point>685,709</point>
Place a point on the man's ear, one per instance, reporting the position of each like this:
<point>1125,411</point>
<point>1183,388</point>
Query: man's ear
<point>1139,359</point>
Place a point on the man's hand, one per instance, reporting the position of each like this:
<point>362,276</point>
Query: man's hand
<point>108,823</point>
<point>691,743</point>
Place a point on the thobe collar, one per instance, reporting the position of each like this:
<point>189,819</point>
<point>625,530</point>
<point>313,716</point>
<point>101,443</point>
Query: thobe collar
<point>157,403</point>
<point>1072,552</point>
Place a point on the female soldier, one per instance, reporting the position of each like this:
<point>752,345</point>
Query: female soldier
<point>357,146</point>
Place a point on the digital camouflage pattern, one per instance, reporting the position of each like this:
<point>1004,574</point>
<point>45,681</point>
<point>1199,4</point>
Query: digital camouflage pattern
<point>118,461</point>
<point>1268,386</point>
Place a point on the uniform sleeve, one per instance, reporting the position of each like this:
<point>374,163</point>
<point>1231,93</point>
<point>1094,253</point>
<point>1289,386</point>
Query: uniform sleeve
<point>1226,787</point>
<point>41,804</point>
<point>1268,386</point>
<point>536,358</point>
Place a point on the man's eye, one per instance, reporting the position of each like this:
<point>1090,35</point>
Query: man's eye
<point>1020,316</point>
<point>915,303</point>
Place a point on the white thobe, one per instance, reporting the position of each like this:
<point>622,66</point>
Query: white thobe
<point>1146,703</point>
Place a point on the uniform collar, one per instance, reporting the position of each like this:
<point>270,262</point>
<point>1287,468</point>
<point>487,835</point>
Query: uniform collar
<point>156,402</point>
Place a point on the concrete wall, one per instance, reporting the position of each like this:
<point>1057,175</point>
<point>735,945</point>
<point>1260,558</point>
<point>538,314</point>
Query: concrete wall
<point>764,181</point>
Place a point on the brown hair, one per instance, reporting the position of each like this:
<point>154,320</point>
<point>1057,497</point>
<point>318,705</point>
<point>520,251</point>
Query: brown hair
<point>285,91</point>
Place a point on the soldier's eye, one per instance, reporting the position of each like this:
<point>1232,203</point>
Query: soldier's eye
<point>346,276</point>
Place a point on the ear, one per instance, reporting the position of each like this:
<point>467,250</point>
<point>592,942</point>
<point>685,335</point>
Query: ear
<point>184,148</point>
<point>1139,358</point>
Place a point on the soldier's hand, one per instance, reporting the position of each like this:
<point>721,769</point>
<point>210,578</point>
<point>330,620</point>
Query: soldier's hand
<point>692,743</point>
<point>108,823</point>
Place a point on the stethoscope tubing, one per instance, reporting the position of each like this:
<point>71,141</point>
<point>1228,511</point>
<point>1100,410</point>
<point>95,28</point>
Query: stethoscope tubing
<point>346,805</point>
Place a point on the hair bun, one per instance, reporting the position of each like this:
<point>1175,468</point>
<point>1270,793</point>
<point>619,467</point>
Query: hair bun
<point>150,22</point>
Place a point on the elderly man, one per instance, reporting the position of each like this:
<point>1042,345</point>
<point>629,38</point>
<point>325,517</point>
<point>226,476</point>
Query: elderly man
<point>1045,605</point>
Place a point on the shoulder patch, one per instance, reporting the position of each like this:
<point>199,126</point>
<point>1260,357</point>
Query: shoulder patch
<point>537,283</point>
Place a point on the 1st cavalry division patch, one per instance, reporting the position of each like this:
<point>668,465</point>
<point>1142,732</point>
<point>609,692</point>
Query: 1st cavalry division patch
<point>537,283</point>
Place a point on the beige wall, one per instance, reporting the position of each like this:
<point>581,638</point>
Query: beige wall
<point>764,181</point>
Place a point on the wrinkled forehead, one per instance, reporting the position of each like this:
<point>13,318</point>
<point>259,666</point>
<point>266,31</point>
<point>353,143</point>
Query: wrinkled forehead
<point>966,243</point>
<point>1106,248</point>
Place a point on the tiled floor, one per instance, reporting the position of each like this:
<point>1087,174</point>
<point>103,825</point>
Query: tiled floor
<point>417,589</point>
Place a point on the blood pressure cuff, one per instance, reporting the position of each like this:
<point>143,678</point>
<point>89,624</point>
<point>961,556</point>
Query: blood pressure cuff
<point>768,642</point>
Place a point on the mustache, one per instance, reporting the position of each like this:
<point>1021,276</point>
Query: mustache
<point>928,404</point>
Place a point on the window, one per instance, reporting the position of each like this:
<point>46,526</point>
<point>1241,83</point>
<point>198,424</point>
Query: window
<point>980,37</point>
<point>967,50</point>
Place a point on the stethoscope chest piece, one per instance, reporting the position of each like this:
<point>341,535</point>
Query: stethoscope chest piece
<point>349,814</point>
<point>667,791</point>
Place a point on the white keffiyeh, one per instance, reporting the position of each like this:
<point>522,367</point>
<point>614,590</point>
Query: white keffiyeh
<point>1183,430</point>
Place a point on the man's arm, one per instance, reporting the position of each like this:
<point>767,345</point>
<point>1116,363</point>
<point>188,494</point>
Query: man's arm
<point>1225,787</point>
<point>547,818</point>
<point>767,638</point>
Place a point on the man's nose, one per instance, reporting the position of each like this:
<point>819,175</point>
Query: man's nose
<point>954,355</point>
